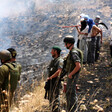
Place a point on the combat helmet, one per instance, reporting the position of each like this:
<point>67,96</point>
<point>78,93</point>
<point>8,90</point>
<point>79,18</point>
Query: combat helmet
<point>69,39</point>
<point>5,55</point>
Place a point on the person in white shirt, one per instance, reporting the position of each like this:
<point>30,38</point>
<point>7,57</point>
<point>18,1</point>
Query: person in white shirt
<point>82,36</point>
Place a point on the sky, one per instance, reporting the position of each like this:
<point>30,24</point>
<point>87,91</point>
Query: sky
<point>12,7</point>
<point>16,7</point>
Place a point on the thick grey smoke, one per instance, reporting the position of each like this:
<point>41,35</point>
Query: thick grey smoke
<point>17,7</point>
<point>13,14</point>
<point>24,17</point>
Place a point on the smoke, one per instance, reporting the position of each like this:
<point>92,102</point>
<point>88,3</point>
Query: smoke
<point>17,7</point>
<point>24,17</point>
<point>13,17</point>
<point>11,8</point>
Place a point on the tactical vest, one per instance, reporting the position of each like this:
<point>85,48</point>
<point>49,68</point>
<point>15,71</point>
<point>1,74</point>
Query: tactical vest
<point>70,64</point>
<point>14,72</point>
<point>53,67</point>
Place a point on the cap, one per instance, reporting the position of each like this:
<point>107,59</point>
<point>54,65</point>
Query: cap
<point>82,15</point>
<point>56,48</point>
<point>69,39</point>
<point>98,16</point>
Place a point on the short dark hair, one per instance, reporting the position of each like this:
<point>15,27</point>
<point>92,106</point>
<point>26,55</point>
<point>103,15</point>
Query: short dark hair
<point>13,52</point>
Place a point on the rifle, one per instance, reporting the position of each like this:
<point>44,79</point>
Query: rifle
<point>46,93</point>
<point>46,87</point>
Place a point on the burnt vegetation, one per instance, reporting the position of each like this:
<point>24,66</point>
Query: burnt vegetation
<point>35,32</point>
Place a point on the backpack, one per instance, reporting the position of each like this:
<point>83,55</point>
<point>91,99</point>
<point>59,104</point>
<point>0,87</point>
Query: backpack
<point>14,76</point>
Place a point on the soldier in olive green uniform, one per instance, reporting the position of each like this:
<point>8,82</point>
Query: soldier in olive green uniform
<point>9,76</point>
<point>13,59</point>
<point>54,70</point>
<point>73,66</point>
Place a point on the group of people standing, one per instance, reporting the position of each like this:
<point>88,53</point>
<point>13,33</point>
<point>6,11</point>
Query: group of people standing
<point>58,68</point>
<point>87,51</point>
<point>90,37</point>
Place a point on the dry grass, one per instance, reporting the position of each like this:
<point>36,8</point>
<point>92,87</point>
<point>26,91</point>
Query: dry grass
<point>33,101</point>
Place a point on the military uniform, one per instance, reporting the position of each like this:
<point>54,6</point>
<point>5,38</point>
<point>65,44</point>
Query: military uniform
<point>4,79</point>
<point>71,97</point>
<point>53,93</point>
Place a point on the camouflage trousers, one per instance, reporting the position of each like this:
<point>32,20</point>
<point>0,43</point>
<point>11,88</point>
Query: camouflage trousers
<point>54,100</point>
<point>71,96</point>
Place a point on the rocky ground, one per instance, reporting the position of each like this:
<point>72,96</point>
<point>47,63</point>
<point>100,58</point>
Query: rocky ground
<point>95,83</point>
<point>34,33</point>
<point>93,88</point>
<point>42,30</point>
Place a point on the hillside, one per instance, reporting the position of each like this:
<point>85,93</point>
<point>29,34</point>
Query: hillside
<point>34,32</point>
<point>94,89</point>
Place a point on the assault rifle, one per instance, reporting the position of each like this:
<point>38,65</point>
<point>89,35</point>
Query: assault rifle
<point>46,87</point>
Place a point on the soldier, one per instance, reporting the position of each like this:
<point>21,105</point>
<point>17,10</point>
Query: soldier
<point>13,54</point>
<point>54,70</point>
<point>13,59</point>
<point>73,66</point>
<point>9,75</point>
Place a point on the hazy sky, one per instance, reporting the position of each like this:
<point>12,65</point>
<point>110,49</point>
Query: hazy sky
<point>12,7</point>
<point>15,7</point>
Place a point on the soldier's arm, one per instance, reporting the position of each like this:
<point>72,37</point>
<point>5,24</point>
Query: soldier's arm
<point>75,70</point>
<point>56,74</point>
<point>77,62</point>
